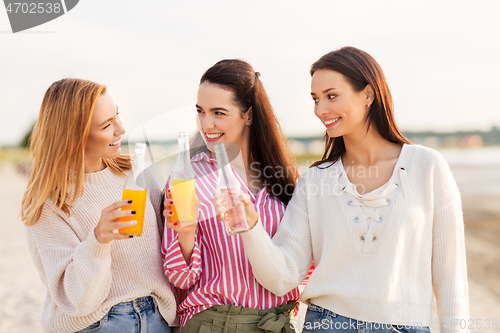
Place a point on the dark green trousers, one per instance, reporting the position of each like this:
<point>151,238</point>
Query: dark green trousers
<point>237,319</point>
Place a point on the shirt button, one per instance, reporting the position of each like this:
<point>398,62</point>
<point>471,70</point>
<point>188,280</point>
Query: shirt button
<point>362,237</point>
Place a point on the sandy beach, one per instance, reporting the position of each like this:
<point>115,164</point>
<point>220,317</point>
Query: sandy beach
<point>23,293</point>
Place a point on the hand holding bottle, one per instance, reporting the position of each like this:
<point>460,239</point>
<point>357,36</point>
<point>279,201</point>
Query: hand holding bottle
<point>106,230</point>
<point>232,210</point>
<point>175,225</point>
<point>251,214</point>
<point>186,233</point>
<point>132,191</point>
<point>182,185</point>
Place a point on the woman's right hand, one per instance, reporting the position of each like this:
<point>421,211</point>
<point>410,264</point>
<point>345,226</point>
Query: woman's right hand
<point>186,234</point>
<point>251,214</point>
<point>109,222</point>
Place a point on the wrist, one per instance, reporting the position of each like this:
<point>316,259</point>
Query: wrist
<point>186,236</point>
<point>254,222</point>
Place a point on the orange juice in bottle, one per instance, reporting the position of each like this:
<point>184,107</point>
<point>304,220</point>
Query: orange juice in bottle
<point>183,194</point>
<point>183,185</point>
<point>135,189</point>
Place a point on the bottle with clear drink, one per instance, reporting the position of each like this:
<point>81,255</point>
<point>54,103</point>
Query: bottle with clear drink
<point>230,192</point>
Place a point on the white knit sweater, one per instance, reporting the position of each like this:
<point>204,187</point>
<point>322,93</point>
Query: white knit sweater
<point>85,278</point>
<point>380,256</point>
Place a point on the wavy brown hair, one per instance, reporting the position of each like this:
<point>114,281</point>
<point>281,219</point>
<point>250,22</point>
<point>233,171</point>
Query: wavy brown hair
<point>267,144</point>
<point>360,70</point>
<point>58,147</point>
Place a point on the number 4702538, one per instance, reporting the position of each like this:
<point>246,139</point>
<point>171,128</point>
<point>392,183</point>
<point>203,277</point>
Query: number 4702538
<point>34,8</point>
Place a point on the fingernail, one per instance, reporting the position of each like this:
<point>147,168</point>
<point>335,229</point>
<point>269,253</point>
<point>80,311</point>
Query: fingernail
<point>176,223</point>
<point>130,201</point>
<point>170,213</point>
<point>133,212</point>
<point>133,222</point>
<point>171,202</point>
<point>168,190</point>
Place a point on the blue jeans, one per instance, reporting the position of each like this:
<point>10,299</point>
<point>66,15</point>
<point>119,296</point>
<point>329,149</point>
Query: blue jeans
<point>319,319</point>
<point>138,316</point>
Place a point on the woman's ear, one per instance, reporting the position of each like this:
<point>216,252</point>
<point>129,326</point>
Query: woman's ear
<point>369,95</point>
<point>249,116</point>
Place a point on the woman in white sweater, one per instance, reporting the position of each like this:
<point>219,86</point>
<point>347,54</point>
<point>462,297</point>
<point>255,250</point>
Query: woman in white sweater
<point>97,280</point>
<point>381,218</point>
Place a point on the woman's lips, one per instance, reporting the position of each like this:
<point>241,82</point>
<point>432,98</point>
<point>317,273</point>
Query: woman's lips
<point>331,122</point>
<point>115,144</point>
<point>212,137</point>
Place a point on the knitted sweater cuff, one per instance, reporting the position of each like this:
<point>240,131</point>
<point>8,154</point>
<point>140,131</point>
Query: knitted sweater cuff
<point>96,248</point>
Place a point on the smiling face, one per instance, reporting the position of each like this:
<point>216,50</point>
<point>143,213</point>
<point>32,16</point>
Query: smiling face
<point>342,110</point>
<point>219,117</point>
<point>105,133</point>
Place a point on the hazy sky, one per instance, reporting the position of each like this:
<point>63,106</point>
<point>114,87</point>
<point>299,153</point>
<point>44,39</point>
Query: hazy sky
<point>441,58</point>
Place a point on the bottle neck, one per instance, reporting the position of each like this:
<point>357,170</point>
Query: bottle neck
<point>136,180</point>
<point>138,166</point>
<point>183,168</point>
<point>138,162</point>
<point>226,175</point>
<point>184,151</point>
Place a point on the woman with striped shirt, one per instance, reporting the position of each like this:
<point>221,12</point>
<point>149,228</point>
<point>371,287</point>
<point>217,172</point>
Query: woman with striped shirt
<point>223,293</point>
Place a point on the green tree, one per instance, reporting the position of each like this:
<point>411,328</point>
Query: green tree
<point>26,141</point>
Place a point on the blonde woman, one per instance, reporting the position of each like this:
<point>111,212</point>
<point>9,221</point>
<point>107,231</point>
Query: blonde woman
<point>97,280</point>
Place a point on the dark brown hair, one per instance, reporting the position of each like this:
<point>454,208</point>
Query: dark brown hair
<point>267,144</point>
<point>360,70</point>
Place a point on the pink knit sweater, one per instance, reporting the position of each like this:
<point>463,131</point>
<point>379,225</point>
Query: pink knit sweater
<point>85,278</point>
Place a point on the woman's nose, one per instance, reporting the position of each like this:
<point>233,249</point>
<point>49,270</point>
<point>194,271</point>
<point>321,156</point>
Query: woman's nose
<point>120,130</point>
<point>208,123</point>
<point>320,109</point>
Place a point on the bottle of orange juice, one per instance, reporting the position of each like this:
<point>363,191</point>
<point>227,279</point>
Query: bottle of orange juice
<point>135,189</point>
<point>183,185</point>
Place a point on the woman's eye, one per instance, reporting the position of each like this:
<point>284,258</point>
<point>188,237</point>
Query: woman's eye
<point>220,113</point>
<point>199,111</point>
<point>107,126</point>
<point>315,100</point>
<point>331,96</point>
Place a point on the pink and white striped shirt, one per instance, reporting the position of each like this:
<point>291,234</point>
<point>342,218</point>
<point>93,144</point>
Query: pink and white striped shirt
<point>219,272</point>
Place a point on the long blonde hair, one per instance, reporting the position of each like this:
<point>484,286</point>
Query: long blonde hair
<point>58,147</point>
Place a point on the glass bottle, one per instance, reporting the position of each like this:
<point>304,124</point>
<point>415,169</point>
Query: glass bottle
<point>230,192</point>
<point>135,189</point>
<point>183,185</point>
